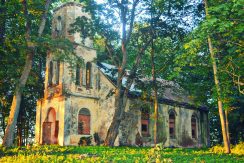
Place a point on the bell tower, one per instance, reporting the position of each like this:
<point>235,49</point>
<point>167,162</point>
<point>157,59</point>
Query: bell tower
<point>66,85</point>
<point>63,17</point>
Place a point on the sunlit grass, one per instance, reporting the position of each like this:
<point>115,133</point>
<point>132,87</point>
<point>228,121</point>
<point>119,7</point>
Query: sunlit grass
<point>116,154</point>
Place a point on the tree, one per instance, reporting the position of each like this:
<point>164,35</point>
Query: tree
<point>220,29</point>
<point>14,110</point>
<point>125,35</point>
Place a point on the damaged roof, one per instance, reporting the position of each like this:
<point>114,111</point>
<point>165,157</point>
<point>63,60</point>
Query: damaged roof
<point>169,92</point>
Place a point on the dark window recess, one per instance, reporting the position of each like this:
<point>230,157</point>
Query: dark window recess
<point>193,134</point>
<point>144,128</point>
<point>172,125</point>
<point>50,72</point>
<point>57,72</point>
<point>145,121</point>
<point>56,129</point>
<point>193,127</point>
<point>78,73</point>
<point>171,132</point>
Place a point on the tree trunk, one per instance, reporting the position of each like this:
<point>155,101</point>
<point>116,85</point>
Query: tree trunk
<point>227,126</point>
<point>114,127</point>
<point>119,93</point>
<point>155,99</point>
<point>216,81</point>
<point>121,97</point>
<point>14,110</point>
<point>19,131</point>
<point>15,106</point>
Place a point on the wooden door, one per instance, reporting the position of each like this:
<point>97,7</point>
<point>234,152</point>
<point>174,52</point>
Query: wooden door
<point>46,133</point>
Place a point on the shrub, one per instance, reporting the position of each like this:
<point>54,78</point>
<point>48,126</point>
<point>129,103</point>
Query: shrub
<point>85,141</point>
<point>238,149</point>
<point>217,149</point>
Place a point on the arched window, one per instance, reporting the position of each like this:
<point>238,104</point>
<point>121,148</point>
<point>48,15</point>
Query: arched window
<point>78,80</point>
<point>57,72</point>
<point>84,118</point>
<point>172,124</point>
<point>50,73</point>
<point>194,126</point>
<point>145,121</point>
<point>88,75</point>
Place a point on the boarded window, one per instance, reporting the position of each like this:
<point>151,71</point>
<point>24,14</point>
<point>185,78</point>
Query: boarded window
<point>88,75</point>
<point>172,125</point>
<point>50,73</point>
<point>145,122</point>
<point>84,121</point>
<point>193,127</point>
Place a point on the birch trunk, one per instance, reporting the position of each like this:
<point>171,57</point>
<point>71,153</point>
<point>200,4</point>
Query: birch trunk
<point>216,81</point>
<point>227,126</point>
<point>15,106</point>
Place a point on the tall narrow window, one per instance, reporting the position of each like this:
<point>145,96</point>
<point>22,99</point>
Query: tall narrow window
<point>172,125</point>
<point>57,72</point>
<point>194,127</point>
<point>56,129</point>
<point>84,121</point>
<point>88,75</point>
<point>50,72</point>
<point>145,121</point>
<point>59,26</point>
<point>78,73</point>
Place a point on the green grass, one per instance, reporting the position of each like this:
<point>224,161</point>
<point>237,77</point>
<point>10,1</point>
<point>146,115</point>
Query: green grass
<point>116,154</point>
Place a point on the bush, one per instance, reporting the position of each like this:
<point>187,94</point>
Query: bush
<point>85,141</point>
<point>217,149</point>
<point>237,149</point>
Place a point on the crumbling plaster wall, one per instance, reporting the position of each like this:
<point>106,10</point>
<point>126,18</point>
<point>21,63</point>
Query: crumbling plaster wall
<point>131,124</point>
<point>99,101</point>
<point>43,106</point>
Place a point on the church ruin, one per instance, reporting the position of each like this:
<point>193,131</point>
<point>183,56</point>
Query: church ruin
<point>83,105</point>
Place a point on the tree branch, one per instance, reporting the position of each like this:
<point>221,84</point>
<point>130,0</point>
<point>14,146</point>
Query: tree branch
<point>132,20</point>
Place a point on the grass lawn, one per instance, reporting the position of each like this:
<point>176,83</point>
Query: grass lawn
<point>115,154</point>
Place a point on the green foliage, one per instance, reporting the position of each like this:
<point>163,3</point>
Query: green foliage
<point>237,149</point>
<point>194,68</point>
<point>113,154</point>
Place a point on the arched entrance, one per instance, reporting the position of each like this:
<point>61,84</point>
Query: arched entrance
<point>50,128</point>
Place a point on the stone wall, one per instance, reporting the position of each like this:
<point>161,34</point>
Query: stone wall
<point>131,125</point>
<point>100,105</point>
